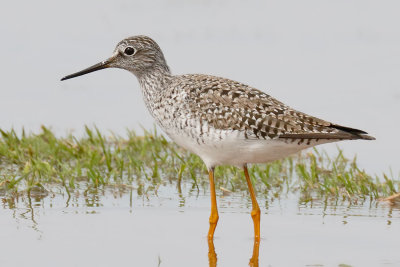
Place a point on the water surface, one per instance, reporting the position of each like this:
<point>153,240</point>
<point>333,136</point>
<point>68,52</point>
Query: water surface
<point>119,227</point>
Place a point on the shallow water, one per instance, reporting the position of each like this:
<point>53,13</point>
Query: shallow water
<point>119,227</point>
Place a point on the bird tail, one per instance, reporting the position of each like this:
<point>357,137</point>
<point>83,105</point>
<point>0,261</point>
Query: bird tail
<point>358,134</point>
<point>343,133</point>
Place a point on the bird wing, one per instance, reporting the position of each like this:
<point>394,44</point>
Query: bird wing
<point>229,105</point>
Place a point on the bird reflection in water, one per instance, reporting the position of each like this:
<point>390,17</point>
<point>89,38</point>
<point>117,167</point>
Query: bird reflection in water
<point>212,256</point>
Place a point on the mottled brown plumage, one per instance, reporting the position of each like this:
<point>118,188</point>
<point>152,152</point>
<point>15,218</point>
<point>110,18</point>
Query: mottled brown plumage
<point>229,105</point>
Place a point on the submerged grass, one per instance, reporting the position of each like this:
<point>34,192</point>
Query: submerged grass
<point>36,161</point>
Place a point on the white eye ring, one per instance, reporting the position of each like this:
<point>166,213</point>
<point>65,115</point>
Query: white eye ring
<point>130,51</point>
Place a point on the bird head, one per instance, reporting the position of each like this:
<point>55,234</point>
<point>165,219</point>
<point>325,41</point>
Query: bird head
<point>137,54</point>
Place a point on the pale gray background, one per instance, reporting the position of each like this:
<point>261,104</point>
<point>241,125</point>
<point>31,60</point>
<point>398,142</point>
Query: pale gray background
<point>338,60</point>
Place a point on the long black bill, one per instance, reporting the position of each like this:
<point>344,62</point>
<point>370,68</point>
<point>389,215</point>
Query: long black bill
<point>98,66</point>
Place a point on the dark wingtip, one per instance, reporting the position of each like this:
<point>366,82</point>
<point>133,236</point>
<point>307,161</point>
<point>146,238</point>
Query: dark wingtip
<point>348,129</point>
<point>358,133</point>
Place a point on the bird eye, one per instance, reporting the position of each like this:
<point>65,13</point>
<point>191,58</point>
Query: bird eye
<point>129,51</point>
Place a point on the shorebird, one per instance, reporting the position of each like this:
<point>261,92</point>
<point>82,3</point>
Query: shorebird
<point>223,121</point>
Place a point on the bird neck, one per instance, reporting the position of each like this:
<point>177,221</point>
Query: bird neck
<point>153,81</point>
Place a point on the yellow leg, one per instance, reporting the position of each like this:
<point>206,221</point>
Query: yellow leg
<point>214,210</point>
<point>254,258</point>
<point>255,212</point>
<point>212,256</point>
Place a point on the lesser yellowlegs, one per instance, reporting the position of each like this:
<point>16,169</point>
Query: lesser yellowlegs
<point>222,121</point>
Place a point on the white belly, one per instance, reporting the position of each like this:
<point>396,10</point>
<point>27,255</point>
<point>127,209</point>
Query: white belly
<point>226,147</point>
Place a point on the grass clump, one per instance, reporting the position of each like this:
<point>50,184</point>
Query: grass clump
<point>35,161</point>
